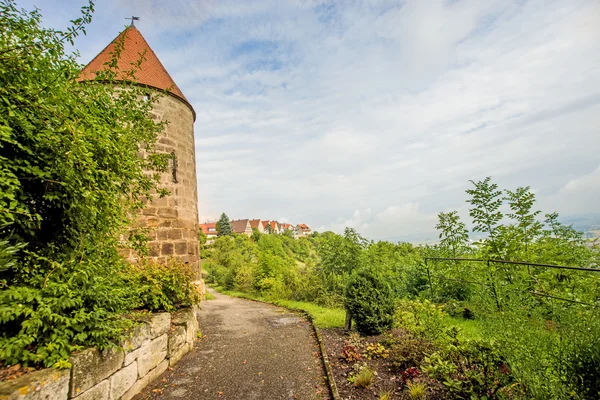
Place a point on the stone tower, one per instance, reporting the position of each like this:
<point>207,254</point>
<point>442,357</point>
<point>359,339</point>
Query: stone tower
<point>172,221</point>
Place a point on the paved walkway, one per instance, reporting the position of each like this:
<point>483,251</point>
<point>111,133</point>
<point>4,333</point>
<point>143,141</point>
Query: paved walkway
<point>249,351</point>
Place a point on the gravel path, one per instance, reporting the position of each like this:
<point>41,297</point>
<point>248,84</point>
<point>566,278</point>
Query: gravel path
<point>249,350</point>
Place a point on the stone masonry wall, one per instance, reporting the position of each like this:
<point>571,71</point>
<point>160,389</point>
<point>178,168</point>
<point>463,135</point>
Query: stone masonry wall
<point>114,374</point>
<point>172,221</point>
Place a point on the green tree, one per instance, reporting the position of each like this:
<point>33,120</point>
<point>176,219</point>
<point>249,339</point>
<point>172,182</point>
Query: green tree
<point>223,226</point>
<point>521,202</point>
<point>255,234</point>
<point>71,181</point>
<point>454,236</point>
<point>202,237</point>
<point>486,200</point>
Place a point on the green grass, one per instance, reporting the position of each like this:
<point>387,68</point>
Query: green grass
<point>469,328</point>
<point>209,296</point>
<point>323,317</point>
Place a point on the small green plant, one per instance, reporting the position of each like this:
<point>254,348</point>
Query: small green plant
<point>386,395</point>
<point>199,335</point>
<point>350,353</point>
<point>417,390</point>
<point>209,296</point>
<point>364,377</point>
<point>375,350</point>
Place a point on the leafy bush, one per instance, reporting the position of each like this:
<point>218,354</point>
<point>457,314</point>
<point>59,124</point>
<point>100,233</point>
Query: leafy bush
<point>369,299</point>
<point>470,368</point>
<point>160,287</point>
<point>71,180</point>
<point>421,317</point>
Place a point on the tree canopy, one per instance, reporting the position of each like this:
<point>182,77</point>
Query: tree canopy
<point>71,181</point>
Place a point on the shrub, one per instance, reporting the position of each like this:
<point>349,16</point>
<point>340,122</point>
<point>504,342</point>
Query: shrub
<point>369,299</point>
<point>160,287</point>
<point>71,179</point>
<point>423,318</point>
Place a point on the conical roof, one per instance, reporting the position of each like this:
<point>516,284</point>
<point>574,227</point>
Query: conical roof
<point>151,73</point>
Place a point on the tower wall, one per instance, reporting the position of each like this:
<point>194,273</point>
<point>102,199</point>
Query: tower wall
<point>172,221</point>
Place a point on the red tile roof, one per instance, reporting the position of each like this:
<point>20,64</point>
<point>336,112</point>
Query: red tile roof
<point>210,225</point>
<point>254,223</point>
<point>239,226</point>
<point>152,73</point>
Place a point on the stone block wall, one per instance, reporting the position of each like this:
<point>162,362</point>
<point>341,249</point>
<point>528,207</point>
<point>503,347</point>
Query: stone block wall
<point>172,221</point>
<point>145,354</point>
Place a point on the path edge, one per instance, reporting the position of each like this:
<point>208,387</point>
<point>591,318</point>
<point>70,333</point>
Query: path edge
<point>335,395</point>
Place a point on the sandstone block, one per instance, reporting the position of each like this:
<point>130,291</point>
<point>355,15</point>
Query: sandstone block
<point>177,338</point>
<point>167,249</point>
<point>175,234</point>
<point>122,381</point>
<point>167,212</point>
<point>143,382</point>
<point>176,356</point>
<point>159,324</point>
<point>181,248</point>
<point>91,367</point>
<point>46,384</point>
<point>152,354</point>
<point>136,337</point>
<point>98,392</point>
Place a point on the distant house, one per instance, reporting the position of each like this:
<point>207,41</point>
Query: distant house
<point>303,230</point>
<point>264,225</point>
<point>284,227</point>
<point>241,226</point>
<point>209,229</point>
<point>275,227</point>
<point>258,224</point>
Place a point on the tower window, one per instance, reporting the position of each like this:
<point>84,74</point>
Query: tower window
<point>174,166</point>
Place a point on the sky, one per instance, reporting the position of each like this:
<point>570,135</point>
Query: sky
<point>375,114</point>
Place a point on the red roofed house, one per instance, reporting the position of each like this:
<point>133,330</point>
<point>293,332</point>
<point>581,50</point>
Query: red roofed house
<point>303,230</point>
<point>258,224</point>
<point>275,227</point>
<point>209,229</point>
<point>241,227</point>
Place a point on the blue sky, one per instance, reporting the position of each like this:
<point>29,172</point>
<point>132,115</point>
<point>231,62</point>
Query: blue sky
<point>375,114</point>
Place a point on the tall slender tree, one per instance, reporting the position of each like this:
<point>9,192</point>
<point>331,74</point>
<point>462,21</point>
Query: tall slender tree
<point>223,226</point>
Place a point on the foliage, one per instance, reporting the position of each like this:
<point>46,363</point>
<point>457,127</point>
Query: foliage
<point>486,201</point>
<point>350,353</point>
<point>407,352</point>
<point>375,350</point>
<point>71,180</point>
<point>417,390</point>
<point>549,346</point>
<point>362,376</point>
<point>223,226</point>
<point>370,302</point>
<point>162,287</point>
<point>421,317</point>
<point>470,368</point>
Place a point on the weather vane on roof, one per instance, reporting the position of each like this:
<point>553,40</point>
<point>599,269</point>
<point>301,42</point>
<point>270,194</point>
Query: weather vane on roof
<point>133,19</point>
